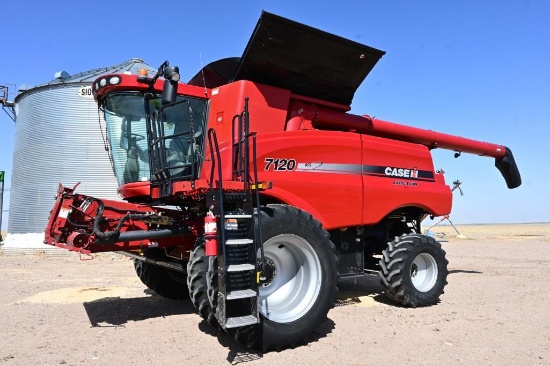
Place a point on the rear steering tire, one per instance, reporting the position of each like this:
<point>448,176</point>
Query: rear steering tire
<point>414,270</point>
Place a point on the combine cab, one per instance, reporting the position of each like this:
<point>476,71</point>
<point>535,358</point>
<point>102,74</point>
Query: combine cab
<point>251,189</point>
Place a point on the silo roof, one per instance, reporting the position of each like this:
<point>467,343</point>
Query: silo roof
<point>133,65</point>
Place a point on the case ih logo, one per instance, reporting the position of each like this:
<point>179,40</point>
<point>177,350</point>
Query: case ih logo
<point>401,172</point>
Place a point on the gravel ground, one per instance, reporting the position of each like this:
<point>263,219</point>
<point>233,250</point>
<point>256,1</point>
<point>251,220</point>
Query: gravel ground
<point>60,310</point>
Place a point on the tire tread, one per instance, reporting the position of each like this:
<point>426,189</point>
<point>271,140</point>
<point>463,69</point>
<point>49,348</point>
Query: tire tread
<point>395,275</point>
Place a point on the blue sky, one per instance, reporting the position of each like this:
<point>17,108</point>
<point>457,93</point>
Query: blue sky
<point>478,69</point>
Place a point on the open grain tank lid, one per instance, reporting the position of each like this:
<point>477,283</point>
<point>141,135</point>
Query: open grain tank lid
<point>294,56</point>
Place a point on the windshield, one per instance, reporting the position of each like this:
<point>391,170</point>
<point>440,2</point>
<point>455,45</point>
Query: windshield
<point>130,143</point>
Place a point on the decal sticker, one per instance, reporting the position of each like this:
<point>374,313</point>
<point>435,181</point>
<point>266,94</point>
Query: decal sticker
<point>64,213</point>
<point>408,173</point>
<point>403,183</point>
<point>279,164</point>
<point>85,92</point>
<point>321,167</point>
<point>310,166</point>
<point>400,172</point>
<point>382,171</point>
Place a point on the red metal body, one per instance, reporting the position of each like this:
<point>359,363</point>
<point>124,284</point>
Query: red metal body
<point>345,170</point>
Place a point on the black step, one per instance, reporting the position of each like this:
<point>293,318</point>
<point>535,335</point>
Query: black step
<point>240,267</point>
<point>238,216</point>
<point>241,294</point>
<point>234,197</point>
<point>238,241</point>
<point>241,321</point>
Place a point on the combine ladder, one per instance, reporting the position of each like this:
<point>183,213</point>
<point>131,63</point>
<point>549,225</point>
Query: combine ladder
<point>239,231</point>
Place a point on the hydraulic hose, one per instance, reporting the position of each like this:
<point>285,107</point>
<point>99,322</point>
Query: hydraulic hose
<point>113,236</point>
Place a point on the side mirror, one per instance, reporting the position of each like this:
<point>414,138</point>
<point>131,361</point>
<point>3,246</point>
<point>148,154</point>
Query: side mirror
<point>170,88</point>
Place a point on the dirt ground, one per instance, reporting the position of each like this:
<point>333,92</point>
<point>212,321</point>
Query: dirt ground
<point>495,311</point>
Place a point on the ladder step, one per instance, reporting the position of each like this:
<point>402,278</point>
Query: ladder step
<point>241,321</point>
<point>240,267</point>
<point>241,294</point>
<point>235,197</point>
<point>238,216</point>
<point>238,241</point>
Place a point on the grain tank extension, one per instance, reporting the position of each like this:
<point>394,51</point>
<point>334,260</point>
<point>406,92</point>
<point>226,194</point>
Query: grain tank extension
<point>251,189</point>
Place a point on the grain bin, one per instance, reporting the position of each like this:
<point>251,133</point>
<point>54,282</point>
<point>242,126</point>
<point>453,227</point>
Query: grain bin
<point>59,138</point>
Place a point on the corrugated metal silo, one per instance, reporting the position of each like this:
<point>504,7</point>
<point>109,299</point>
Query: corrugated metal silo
<point>58,139</point>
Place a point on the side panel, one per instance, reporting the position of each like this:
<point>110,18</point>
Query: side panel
<point>267,113</point>
<point>316,171</point>
<point>267,107</point>
<point>399,174</point>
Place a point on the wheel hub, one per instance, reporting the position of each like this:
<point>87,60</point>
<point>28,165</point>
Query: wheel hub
<point>414,270</point>
<point>424,272</point>
<point>269,272</point>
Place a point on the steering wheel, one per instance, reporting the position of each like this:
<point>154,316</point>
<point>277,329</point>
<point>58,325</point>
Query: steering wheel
<point>137,136</point>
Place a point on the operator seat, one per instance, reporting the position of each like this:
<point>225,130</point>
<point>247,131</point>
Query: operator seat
<point>180,152</point>
<point>131,168</point>
<point>177,160</point>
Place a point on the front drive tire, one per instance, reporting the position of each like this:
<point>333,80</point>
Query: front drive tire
<point>302,279</point>
<point>165,282</point>
<point>197,282</point>
<point>414,270</point>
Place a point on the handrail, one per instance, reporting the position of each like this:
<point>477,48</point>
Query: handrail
<point>236,155</point>
<point>213,142</point>
<point>258,207</point>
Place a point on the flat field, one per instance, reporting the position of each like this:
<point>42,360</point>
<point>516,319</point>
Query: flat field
<point>495,311</point>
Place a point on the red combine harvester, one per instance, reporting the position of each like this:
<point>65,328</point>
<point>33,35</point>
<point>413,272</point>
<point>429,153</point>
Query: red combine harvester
<point>252,190</point>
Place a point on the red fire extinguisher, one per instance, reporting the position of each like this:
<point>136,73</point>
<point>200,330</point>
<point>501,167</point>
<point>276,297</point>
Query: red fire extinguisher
<point>210,234</point>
